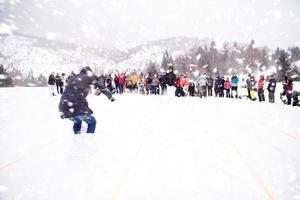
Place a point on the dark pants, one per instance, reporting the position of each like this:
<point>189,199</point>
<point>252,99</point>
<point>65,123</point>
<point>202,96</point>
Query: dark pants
<point>117,87</point>
<point>61,89</point>
<point>227,93</point>
<point>89,119</point>
<point>58,89</point>
<point>155,90</point>
<point>217,91</point>
<point>148,89</point>
<point>249,96</point>
<point>202,91</point>
<point>209,89</point>
<point>261,95</point>
<point>163,89</point>
<point>234,88</point>
<point>271,97</point>
<point>289,99</point>
<point>192,93</point>
<point>221,93</point>
<point>121,89</point>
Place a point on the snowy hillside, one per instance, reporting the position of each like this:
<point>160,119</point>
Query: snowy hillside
<point>171,149</point>
<point>44,56</point>
<point>140,56</point>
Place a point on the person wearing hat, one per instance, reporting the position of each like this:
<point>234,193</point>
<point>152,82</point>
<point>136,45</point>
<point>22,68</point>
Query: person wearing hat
<point>271,88</point>
<point>73,104</point>
<point>260,86</point>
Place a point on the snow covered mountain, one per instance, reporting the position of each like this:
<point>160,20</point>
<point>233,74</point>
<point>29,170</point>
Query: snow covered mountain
<point>39,55</point>
<point>35,55</point>
<point>42,56</point>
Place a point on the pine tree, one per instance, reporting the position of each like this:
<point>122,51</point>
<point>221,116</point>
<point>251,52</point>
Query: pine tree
<point>283,65</point>
<point>5,79</point>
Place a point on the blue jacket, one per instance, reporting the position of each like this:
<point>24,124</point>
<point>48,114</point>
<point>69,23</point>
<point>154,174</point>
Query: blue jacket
<point>234,81</point>
<point>201,81</point>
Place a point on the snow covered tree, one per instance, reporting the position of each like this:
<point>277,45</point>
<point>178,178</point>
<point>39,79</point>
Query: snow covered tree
<point>283,65</point>
<point>167,60</point>
<point>5,79</point>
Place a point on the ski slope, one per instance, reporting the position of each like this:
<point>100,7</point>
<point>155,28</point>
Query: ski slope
<point>148,147</point>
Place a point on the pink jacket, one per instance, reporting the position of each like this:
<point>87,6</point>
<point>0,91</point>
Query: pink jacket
<point>227,85</point>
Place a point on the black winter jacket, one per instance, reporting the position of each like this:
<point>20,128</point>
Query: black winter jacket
<point>171,78</point>
<point>73,101</point>
<point>272,85</point>
<point>51,80</point>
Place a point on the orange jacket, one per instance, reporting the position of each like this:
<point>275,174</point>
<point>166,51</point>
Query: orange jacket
<point>184,82</point>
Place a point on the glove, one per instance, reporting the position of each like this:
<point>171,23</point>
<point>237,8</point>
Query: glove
<point>112,99</point>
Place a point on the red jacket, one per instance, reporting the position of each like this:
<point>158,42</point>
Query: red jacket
<point>177,82</point>
<point>122,79</point>
<point>227,85</point>
<point>260,84</point>
<point>288,88</point>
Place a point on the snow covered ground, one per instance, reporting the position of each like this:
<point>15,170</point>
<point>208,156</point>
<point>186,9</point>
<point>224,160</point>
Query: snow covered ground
<point>149,147</point>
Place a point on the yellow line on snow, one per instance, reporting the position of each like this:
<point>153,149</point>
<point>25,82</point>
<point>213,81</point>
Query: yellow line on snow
<point>124,177</point>
<point>27,154</point>
<point>255,174</point>
<point>267,125</point>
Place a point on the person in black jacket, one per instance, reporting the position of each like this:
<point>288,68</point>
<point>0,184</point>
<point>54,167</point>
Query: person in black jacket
<point>163,83</point>
<point>271,88</point>
<point>51,84</point>
<point>58,83</point>
<point>171,77</point>
<point>191,89</point>
<point>221,86</point>
<point>148,84</point>
<point>73,104</point>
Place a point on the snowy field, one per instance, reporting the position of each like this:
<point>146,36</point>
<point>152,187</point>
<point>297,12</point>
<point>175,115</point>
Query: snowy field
<point>149,147</point>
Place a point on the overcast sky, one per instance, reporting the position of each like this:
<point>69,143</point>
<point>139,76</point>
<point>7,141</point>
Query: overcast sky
<point>125,23</point>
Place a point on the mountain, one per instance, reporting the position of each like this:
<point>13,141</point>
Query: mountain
<point>35,55</point>
<point>39,55</point>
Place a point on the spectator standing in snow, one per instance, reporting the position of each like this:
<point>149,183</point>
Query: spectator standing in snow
<point>201,83</point>
<point>248,85</point>
<point>260,91</point>
<point>171,77</point>
<point>149,84</point>
<point>210,84</point>
<point>141,85</point>
<point>184,82</point>
<point>177,82</point>
<point>221,86</point>
<point>121,82</point>
<point>163,83</point>
<point>70,76</point>
<point>108,83</point>
<point>58,83</point>
<point>134,80</point>
<point>51,84</point>
<point>252,88</point>
<point>59,80</point>
<point>116,80</point>
<point>217,86</point>
<point>227,87</point>
<point>155,85</point>
<point>234,86</point>
<point>288,90</point>
<point>271,88</point>
<point>73,104</point>
<point>191,89</point>
<point>63,82</point>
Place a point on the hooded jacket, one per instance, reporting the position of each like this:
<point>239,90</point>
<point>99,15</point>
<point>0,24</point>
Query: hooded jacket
<point>73,101</point>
